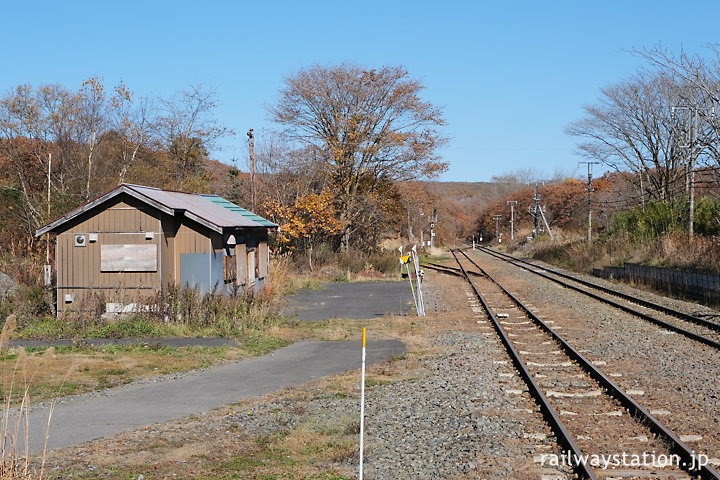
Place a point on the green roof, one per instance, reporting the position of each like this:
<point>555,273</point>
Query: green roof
<point>242,211</point>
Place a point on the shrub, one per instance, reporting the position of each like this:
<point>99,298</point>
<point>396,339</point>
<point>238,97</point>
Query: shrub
<point>649,221</point>
<point>707,217</point>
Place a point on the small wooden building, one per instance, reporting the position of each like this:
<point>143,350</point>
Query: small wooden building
<point>135,240</point>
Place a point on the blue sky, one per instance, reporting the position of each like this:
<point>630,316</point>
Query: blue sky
<point>509,75</point>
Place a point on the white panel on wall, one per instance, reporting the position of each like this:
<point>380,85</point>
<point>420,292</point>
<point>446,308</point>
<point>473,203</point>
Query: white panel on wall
<point>128,258</point>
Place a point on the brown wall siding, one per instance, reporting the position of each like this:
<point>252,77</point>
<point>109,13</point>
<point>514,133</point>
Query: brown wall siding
<point>169,228</point>
<point>80,266</point>
<point>126,223</point>
<point>120,218</point>
<point>188,240</point>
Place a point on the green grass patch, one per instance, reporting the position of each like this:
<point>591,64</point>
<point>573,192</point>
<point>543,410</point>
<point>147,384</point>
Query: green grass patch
<point>295,284</point>
<point>8,356</point>
<point>45,328</point>
<point>256,345</point>
<point>374,382</point>
<point>434,259</point>
<point>136,327</point>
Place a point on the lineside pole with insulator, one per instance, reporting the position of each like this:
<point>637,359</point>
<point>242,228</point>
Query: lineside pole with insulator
<point>251,148</point>
<point>512,204</point>
<point>536,213</point>
<point>690,178</point>
<point>497,218</point>
<point>589,197</point>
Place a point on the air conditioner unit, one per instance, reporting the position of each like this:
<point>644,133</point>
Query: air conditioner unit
<point>80,240</point>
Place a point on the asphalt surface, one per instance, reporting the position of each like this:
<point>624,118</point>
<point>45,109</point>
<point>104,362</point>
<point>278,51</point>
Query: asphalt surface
<point>356,300</point>
<point>87,417</point>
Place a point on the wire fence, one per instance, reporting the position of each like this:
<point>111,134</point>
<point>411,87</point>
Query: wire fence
<point>699,285</point>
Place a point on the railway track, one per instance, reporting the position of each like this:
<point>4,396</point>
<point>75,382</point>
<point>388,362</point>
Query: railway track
<point>591,416</point>
<point>448,270</point>
<point>690,326</point>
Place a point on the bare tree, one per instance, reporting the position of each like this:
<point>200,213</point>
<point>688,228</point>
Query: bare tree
<point>26,132</point>
<point>371,129</point>
<point>92,120</point>
<point>188,128</point>
<point>702,76</point>
<point>521,176</point>
<point>631,129</point>
<point>132,120</point>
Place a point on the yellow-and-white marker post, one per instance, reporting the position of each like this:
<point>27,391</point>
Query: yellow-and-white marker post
<point>405,260</point>
<point>362,405</point>
<point>418,279</point>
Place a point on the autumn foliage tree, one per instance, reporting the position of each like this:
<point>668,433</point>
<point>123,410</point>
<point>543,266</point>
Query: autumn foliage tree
<point>303,224</point>
<point>370,128</point>
<point>89,141</point>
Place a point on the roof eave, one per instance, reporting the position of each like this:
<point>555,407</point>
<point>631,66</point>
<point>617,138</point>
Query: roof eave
<point>202,221</point>
<point>90,205</point>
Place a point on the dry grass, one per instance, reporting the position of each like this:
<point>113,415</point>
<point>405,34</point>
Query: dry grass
<point>15,422</point>
<point>671,250</point>
<point>49,374</point>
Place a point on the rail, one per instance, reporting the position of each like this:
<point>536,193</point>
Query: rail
<point>677,446</point>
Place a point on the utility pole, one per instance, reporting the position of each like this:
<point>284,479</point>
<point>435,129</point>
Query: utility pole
<point>589,198</point>
<point>251,144</point>
<point>536,212</point>
<point>432,219</point>
<point>512,204</point>
<point>497,218</point>
<point>694,111</point>
<point>47,243</point>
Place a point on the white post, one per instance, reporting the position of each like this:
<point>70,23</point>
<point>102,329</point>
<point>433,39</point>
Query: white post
<point>412,288</point>
<point>362,405</point>
<point>416,263</point>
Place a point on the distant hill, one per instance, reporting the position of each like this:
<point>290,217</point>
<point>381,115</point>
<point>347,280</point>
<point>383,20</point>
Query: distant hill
<point>458,203</point>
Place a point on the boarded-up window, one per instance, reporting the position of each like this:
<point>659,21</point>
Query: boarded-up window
<point>251,265</point>
<point>241,256</point>
<point>128,258</point>
<point>230,270</point>
<point>263,255</point>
